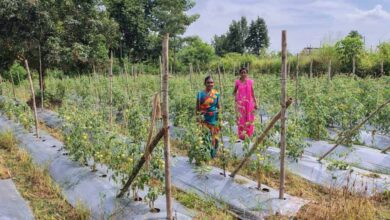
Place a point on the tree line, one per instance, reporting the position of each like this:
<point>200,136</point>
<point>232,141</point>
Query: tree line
<point>76,37</point>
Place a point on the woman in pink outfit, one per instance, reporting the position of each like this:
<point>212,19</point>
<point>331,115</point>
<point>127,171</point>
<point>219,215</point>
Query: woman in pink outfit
<point>245,105</point>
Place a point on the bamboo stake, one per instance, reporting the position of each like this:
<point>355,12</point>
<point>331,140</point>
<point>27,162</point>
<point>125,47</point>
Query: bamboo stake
<point>40,74</point>
<point>283,114</point>
<point>220,110</point>
<point>382,69</point>
<point>330,70</point>
<point>260,139</point>
<point>311,68</point>
<point>111,63</point>
<point>132,71</point>
<point>165,116</point>
<point>149,149</point>
<point>386,149</point>
<point>341,139</point>
<point>161,74</point>
<point>191,72</point>
<point>13,86</point>
<point>156,100</point>
<point>296,84</point>
<point>33,98</point>
<point>127,82</point>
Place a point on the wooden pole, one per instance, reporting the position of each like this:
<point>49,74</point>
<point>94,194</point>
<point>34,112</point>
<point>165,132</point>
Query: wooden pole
<point>165,116</point>
<point>132,71</point>
<point>161,75</point>
<point>191,72</point>
<point>296,84</point>
<point>33,98</point>
<point>382,69</point>
<point>260,139</point>
<point>13,85</point>
<point>221,127</point>
<point>156,100</point>
<point>149,149</point>
<point>283,76</point>
<point>40,74</point>
<point>386,149</point>
<point>111,76</point>
<point>341,139</point>
<point>311,68</point>
<point>330,70</point>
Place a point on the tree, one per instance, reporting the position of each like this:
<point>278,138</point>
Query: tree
<point>196,51</point>
<point>355,34</point>
<point>258,36</point>
<point>384,56</point>
<point>71,35</point>
<point>220,44</point>
<point>133,19</point>
<point>236,36</point>
<point>349,49</point>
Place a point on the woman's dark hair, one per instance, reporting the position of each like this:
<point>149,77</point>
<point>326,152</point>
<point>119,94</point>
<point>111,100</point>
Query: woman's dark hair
<point>207,78</point>
<point>243,69</point>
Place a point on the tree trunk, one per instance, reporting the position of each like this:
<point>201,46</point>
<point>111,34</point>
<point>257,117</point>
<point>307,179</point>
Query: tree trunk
<point>353,65</point>
<point>33,98</point>
<point>165,116</point>
<point>283,115</point>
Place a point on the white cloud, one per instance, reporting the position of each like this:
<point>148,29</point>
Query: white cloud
<point>307,22</point>
<point>377,13</point>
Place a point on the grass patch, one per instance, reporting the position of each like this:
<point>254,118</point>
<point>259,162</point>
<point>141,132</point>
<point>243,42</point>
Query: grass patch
<point>206,209</point>
<point>340,204</point>
<point>4,172</point>
<point>35,184</point>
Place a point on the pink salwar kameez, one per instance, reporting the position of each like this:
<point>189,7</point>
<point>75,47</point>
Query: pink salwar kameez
<point>245,106</point>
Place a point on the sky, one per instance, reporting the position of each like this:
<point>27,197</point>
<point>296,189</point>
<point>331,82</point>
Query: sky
<point>308,22</point>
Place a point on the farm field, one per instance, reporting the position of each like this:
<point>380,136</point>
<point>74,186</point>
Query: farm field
<point>82,122</point>
<point>189,109</point>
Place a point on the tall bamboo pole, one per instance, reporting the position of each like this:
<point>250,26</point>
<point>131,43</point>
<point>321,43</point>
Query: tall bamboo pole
<point>386,149</point>
<point>296,84</point>
<point>341,139</point>
<point>165,116</point>
<point>111,76</point>
<point>33,98</point>
<point>40,74</point>
<point>191,72</point>
<point>259,139</point>
<point>283,114</point>
<point>13,85</point>
<point>382,69</point>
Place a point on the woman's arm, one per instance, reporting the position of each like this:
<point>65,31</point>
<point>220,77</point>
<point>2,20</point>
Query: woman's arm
<point>254,97</point>
<point>235,90</point>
